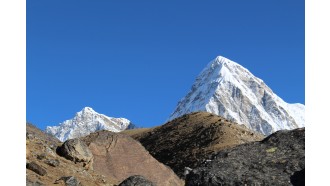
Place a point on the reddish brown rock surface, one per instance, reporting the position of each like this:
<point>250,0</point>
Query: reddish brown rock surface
<point>120,156</point>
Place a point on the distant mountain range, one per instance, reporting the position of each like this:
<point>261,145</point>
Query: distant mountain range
<point>227,89</point>
<point>224,88</point>
<point>87,121</point>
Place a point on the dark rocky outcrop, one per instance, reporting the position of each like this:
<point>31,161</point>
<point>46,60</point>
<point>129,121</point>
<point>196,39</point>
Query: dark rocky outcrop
<point>136,180</point>
<point>192,138</point>
<point>277,160</point>
<point>36,168</point>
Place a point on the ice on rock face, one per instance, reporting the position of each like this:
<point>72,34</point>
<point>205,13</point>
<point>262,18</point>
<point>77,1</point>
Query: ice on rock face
<point>228,89</point>
<point>85,122</point>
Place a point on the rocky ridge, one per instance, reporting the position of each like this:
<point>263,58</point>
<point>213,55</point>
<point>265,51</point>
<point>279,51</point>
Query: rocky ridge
<point>192,138</point>
<point>103,158</point>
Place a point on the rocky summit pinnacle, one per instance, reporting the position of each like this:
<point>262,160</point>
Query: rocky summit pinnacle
<point>85,122</point>
<point>228,89</point>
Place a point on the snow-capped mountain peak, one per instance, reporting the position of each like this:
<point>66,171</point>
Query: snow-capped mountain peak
<point>226,88</point>
<point>87,110</point>
<point>85,122</point>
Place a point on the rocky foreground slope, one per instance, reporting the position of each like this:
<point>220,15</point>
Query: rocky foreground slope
<point>102,158</point>
<point>192,138</point>
<point>277,160</point>
<point>45,167</point>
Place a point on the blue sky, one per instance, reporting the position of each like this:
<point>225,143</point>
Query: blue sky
<point>137,59</point>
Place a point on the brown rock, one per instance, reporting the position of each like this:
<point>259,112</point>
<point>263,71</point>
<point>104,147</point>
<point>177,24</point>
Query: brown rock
<point>36,168</point>
<point>119,156</point>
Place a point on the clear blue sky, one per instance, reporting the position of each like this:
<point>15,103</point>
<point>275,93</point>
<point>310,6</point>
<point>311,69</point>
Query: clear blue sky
<point>137,59</point>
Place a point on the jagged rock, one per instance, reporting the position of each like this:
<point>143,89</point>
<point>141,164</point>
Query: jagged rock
<point>274,161</point>
<point>76,151</point>
<point>136,180</point>
<point>29,136</point>
<point>36,168</point>
<point>69,181</point>
<point>41,156</point>
<point>186,171</point>
<point>120,156</point>
<point>52,162</point>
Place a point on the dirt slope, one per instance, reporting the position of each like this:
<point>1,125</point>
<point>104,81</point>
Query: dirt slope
<point>192,138</point>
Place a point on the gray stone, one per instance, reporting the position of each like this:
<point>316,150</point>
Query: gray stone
<point>69,181</point>
<point>75,150</point>
<point>136,180</point>
<point>41,156</point>
<point>52,162</point>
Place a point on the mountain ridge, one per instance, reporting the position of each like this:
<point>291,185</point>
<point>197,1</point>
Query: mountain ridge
<point>87,121</point>
<point>191,138</point>
<point>227,89</point>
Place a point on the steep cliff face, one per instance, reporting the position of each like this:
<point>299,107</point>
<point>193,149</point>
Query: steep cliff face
<point>227,89</point>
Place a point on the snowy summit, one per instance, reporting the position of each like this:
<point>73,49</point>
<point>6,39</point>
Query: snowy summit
<point>228,89</point>
<point>85,122</point>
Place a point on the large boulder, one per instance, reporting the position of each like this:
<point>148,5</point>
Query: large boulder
<point>120,156</point>
<point>277,160</point>
<point>76,151</point>
<point>136,180</point>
